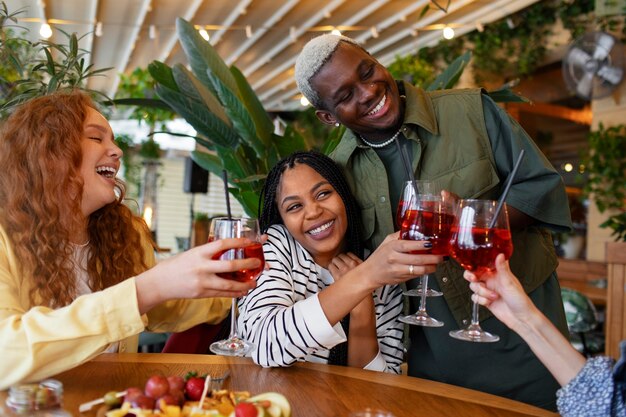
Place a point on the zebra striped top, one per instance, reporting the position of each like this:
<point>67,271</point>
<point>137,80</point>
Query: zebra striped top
<point>282,316</point>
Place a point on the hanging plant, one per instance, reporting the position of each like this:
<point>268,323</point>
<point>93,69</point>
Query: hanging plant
<point>605,165</point>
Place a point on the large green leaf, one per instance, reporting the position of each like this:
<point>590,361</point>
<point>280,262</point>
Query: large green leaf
<point>289,143</point>
<point>238,114</point>
<point>208,161</point>
<point>262,121</point>
<point>249,200</point>
<point>202,56</point>
<point>333,140</point>
<point>506,95</point>
<point>162,74</point>
<point>191,86</point>
<point>236,165</point>
<point>451,75</point>
<point>141,102</point>
<point>252,178</point>
<point>198,116</point>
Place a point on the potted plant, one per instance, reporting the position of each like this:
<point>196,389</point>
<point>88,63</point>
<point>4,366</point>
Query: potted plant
<point>33,69</point>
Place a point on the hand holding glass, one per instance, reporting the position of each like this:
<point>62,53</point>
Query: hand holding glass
<point>222,228</point>
<point>428,218</point>
<point>475,244</point>
<point>423,187</point>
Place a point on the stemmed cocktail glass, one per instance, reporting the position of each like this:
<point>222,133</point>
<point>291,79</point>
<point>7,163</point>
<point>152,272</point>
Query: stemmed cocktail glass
<point>222,228</point>
<point>425,187</point>
<point>427,217</point>
<point>479,234</point>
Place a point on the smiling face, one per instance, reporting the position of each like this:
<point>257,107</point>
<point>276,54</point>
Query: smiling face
<point>101,161</point>
<point>358,92</point>
<point>313,212</point>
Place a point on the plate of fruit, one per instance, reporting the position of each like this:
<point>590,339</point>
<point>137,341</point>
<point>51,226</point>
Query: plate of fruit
<point>175,396</point>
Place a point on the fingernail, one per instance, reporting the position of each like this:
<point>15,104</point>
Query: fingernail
<point>428,245</point>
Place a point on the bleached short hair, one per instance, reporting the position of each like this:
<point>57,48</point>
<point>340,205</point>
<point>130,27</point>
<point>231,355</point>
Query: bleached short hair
<point>315,54</point>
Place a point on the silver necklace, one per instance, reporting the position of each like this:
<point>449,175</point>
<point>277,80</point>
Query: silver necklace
<point>383,144</point>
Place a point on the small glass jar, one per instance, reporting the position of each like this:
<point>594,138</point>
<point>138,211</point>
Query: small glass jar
<point>44,399</point>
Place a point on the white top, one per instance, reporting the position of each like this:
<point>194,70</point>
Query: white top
<point>283,317</point>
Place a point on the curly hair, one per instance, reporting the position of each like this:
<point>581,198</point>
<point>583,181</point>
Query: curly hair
<point>40,196</point>
<point>327,168</point>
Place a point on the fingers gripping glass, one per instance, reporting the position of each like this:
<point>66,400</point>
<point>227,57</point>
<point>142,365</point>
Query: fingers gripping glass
<point>408,194</point>
<point>475,245</point>
<point>429,218</point>
<point>223,228</point>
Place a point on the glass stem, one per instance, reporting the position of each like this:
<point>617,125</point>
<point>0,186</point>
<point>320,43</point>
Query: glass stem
<point>474,313</point>
<point>233,319</point>
<point>424,283</point>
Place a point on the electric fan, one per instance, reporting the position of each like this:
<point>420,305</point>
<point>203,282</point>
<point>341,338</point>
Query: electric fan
<point>592,66</point>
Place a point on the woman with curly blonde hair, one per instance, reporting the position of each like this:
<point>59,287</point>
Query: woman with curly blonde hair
<point>77,268</point>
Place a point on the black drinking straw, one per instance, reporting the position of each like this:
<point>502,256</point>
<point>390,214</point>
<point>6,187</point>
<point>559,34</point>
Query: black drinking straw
<point>407,165</point>
<point>225,179</point>
<point>509,181</point>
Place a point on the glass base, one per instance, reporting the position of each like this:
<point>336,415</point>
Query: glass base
<point>420,318</point>
<point>231,347</point>
<point>417,292</point>
<point>474,333</point>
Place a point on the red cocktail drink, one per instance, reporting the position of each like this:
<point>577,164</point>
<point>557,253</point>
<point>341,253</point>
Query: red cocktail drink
<point>433,226</point>
<point>476,248</point>
<point>253,251</point>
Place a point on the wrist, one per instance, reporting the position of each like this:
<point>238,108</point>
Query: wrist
<point>529,323</point>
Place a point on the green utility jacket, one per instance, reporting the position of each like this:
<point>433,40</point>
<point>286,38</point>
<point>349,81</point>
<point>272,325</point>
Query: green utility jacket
<point>458,155</point>
<point>466,143</point>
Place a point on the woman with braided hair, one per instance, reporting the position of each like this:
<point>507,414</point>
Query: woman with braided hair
<point>318,293</point>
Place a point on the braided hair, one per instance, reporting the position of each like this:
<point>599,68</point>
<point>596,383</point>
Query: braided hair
<point>327,168</point>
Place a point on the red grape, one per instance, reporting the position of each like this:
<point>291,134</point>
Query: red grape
<point>176,382</point>
<point>143,401</point>
<point>157,386</point>
<point>131,393</point>
<point>168,399</point>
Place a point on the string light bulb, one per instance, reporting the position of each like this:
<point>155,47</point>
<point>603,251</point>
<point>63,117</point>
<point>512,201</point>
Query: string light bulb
<point>45,31</point>
<point>336,32</point>
<point>304,102</point>
<point>448,32</point>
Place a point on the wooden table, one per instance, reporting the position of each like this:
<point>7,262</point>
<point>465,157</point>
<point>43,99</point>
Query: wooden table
<point>312,389</point>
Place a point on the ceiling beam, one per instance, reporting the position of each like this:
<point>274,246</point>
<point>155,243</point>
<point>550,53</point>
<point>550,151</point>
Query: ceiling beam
<point>130,45</point>
<point>275,18</point>
<point>288,40</point>
<point>490,12</point>
<point>170,41</point>
<point>362,14</point>
<point>416,6</point>
<point>232,17</point>
<point>89,38</point>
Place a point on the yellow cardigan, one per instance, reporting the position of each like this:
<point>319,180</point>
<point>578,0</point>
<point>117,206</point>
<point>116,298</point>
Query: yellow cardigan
<point>37,342</point>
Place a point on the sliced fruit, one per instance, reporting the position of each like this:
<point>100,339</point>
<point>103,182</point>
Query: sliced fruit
<point>276,400</point>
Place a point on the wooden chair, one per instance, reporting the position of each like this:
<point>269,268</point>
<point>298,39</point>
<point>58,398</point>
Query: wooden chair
<point>616,297</point>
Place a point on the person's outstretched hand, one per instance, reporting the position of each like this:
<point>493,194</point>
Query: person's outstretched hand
<point>193,274</point>
<point>501,292</point>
